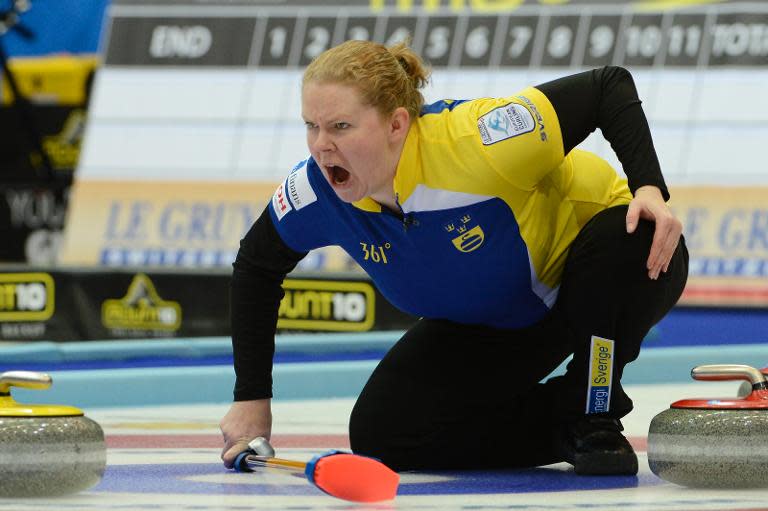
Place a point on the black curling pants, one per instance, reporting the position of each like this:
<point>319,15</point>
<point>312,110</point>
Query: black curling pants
<point>454,396</point>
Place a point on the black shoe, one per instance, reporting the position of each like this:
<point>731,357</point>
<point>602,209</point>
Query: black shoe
<point>594,445</point>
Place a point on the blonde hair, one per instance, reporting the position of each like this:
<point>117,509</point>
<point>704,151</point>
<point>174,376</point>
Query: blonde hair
<point>385,77</point>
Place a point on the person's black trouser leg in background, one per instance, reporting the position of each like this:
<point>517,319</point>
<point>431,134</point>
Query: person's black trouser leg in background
<point>449,395</point>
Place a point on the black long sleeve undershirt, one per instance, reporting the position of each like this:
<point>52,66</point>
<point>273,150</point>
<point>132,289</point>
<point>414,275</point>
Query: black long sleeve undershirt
<point>606,98</point>
<point>262,263</point>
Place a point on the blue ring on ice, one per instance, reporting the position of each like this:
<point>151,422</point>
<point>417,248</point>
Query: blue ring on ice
<point>176,478</point>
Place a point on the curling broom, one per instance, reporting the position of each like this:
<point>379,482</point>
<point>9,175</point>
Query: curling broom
<point>343,475</point>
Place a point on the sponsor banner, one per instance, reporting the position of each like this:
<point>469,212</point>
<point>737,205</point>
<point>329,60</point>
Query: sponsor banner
<point>199,225</point>
<point>140,304</point>
<point>26,297</point>
<point>125,304</point>
<point>31,221</point>
<point>141,309</point>
<point>35,187</point>
<point>36,305</point>
<point>327,305</point>
<point>172,224</point>
<point>175,224</point>
<point>726,230</point>
<point>465,34</point>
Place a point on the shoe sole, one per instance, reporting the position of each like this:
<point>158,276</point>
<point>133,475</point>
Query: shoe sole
<point>605,464</point>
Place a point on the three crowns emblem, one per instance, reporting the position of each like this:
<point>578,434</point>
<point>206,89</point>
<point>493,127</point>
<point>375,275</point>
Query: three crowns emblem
<point>469,238</point>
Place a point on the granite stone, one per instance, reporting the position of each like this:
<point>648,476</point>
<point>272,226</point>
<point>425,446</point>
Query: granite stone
<point>710,448</point>
<point>49,456</point>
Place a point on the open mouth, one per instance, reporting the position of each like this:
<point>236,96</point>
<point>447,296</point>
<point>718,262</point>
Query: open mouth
<point>338,175</point>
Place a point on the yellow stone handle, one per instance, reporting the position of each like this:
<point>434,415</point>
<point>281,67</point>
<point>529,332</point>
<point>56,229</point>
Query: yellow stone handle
<point>24,379</point>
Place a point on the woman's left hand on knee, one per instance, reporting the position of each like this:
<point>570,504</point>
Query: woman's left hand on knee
<point>649,204</point>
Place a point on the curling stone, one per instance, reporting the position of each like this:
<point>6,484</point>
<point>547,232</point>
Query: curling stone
<point>45,450</point>
<point>714,443</point>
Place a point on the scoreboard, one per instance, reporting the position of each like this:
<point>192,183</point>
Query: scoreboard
<point>210,89</point>
<point>712,35</point>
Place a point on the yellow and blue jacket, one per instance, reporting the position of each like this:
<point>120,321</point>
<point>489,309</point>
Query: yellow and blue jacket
<point>489,206</point>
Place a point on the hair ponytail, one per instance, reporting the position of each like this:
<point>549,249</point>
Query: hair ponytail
<point>412,64</point>
<point>386,78</point>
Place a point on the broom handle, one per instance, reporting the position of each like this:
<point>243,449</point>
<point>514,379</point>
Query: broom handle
<point>253,460</point>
